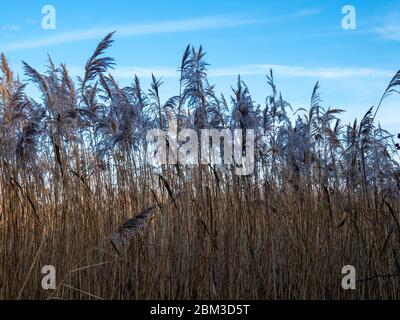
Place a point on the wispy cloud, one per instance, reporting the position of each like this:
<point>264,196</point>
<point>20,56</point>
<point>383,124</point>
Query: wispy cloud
<point>195,24</point>
<point>31,21</point>
<point>10,27</point>
<point>391,32</point>
<point>202,23</point>
<point>308,12</point>
<point>252,69</point>
<point>391,28</point>
<point>299,71</point>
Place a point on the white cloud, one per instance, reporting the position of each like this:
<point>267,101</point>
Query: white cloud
<point>298,71</point>
<point>130,72</point>
<point>11,27</point>
<point>308,12</point>
<point>256,69</point>
<point>202,23</point>
<point>391,27</point>
<point>391,32</point>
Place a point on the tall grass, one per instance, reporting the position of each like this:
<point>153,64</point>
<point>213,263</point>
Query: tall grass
<point>76,193</point>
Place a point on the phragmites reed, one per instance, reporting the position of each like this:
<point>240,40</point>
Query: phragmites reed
<point>131,228</point>
<point>77,193</point>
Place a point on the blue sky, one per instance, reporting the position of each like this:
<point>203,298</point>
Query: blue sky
<point>303,41</point>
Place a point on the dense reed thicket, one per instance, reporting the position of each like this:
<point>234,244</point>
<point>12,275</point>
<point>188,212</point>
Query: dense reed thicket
<point>76,193</point>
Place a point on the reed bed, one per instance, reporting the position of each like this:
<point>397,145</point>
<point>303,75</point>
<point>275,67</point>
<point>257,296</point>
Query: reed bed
<point>76,193</point>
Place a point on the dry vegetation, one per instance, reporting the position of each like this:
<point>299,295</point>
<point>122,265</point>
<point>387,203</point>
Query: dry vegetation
<point>323,194</point>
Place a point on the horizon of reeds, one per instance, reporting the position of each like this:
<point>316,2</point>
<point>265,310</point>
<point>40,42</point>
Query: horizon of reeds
<point>77,193</point>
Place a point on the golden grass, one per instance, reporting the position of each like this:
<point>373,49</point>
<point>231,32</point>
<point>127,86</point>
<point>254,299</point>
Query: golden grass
<point>222,243</point>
